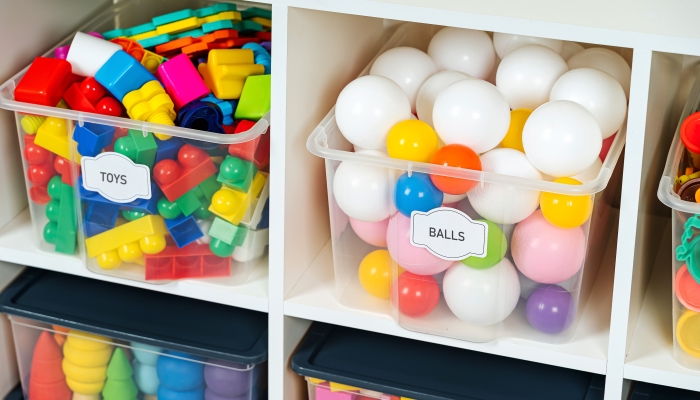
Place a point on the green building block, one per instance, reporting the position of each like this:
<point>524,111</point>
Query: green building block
<point>194,33</point>
<point>173,17</point>
<point>253,12</point>
<point>137,147</point>
<point>225,237</point>
<point>120,384</point>
<point>217,25</point>
<point>188,202</point>
<point>237,173</point>
<point>214,9</point>
<point>209,187</point>
<point>255,98</point>
<point>168,209</point>
<point>247,27</point>
<point>61,230</point>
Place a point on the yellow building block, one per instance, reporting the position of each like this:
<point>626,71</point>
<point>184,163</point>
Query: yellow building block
<point>230,56</point>
<point>233,16</point>
<point>151,98</point>
<point>134,231</point>
<point>315,381</point>
<point>53,136</point>
<point>145,35</point>
<point>266,23</point>
<point>32,123</point>
<point>232,205</point>
<point>226,70</point>
<point>339,387</point>
<point>183,25</point>
<point>151,61</point>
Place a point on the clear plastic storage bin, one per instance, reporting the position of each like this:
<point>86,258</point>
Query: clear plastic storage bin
<point>91,351</point>
<point>432,290</point>
<point>685,221</point>
<point>72,202</point>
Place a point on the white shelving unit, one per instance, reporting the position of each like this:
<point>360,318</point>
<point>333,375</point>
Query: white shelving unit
<point>624,330</point>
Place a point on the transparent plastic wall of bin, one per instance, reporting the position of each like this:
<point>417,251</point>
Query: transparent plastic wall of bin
<point>100,367</point>
<point>685,221</point>
<point>323,387</point>
<point>48,211</point>
<point>489,299</point>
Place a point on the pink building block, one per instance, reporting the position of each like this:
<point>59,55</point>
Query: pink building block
<point>323,392</point>
<point>181,80</point>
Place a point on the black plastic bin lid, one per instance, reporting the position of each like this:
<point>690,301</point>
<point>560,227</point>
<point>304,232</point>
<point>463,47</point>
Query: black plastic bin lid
<point>145,316</point>
<point>648,391</point>
<point>420,370</point>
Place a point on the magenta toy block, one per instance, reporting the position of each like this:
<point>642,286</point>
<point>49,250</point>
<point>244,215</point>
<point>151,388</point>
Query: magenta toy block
<point>181,80</point>
<point>324,393</point>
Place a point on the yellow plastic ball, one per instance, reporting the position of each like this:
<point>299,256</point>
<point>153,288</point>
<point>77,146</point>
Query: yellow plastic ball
<point>224,202</point>
<point>130,252</point>
<point>412,140</point>
<point>514,136</point>
<point>566,211</point>
<point>109,260</point>
<point>375,273</point>
<point>153,244</point>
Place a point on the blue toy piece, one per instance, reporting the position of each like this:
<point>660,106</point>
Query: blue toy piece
<point>261,55</point>
<point>155,41</point>
<point>148,206</point>
<point>256,12</point>
<point>173,17</point>
<point>202,116</point>
<point>215,9</point>
<point>139,29</point>
<point>122,73</point>
<point>100,217</point>
<point>217,25</point>
<point>227,107</point>
<point>165,393</point>
<point>416,193</point>
<point>184,230</point>
<point>246,28</point>
<point>180,374</point>
<point>114,33</point>
<point>265,216</point>
<point>167,149</point>
<point>195,33</point>
<point>146,377</point>
<point>92,138</point>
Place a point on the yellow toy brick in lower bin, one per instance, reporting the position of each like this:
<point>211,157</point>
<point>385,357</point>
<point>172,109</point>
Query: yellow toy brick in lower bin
<point>85,362</point>
<point>232,205</point>
<point>127,242</point>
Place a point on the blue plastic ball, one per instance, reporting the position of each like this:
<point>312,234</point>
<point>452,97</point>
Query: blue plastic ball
<point>416,193</point>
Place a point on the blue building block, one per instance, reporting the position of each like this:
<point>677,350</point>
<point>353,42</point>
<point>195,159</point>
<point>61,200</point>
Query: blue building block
<point>265,216</point>
<point>217,25</point>
<point>227,107</point>
<point>202,116</point>
<point>214,9</point>
<point>167,149</point>
<point>195,33</point>
<point>184,230</point>
<point>139,29</point>
<point>114,33</point>
<point>92,138</point>
<point>256,12</point>
<point>122,73</point>
<point>148,206</point>
<point>172,17</point>
<point>245,28</point>
<point>155,41</point>
<point>261,55</point>
<point>100,217</point>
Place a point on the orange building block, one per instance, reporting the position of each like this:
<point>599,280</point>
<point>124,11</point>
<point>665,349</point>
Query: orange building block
<point>46,379</point>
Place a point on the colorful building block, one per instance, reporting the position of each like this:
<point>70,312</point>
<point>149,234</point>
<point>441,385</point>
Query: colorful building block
<point>53,136</point>
<point>92,138</point>
<point>140,147</point>
<point>194,33</point>
<point>100,217</point>
<point>236,173</point>
<point>227,107</point>
<point>181,80</point>
<point>233,16</point>
<point>128,242</point>
<point>183,25</point>
<point>31,123</point>
<point>184,230</point>
<point>255,99</point>
<point>214,9</point>
<point>155,40</point>
<point>131,46</point>
<point>225,237</point>
<point>145,35</point>
<point>150,103</point>
<point>172,17</point>
<point>46,379</point>
<point>189,202</point>
<point>168,148</point>
<point>232,205</point>
<point>122,74</point>
<point>40,169</point>
<point>90,96</point>
<point>193,261</point>
<point>323,392</point>
<point>175,178</point>
<point>262,56</point>
<point>217,25</point>
<point>68,170</point>
<point>253,247</point>
<point>265,22</point>
<point>245,150</point>
<point>85,362</point>
<point>226,70</point>
<point>247,27</point>
<point>115,33</point>
<point>88,53</point>
<point>201,116</point>
<point>253,12</point>
<point>44,82</point>
<point>140,29</point>
<point>151,61</point>
<point>148,206</point>
<point>265,216</point>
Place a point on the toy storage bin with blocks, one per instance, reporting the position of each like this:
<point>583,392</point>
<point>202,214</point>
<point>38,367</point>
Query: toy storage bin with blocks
<point>144,155</point>
<point>77,338</point>
<point>677,190</point>
<point>503,252</point>
<point>342,363</point>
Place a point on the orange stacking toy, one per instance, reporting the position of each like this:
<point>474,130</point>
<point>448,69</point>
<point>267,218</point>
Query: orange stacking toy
<point>60,334</point>
<point>85,362</point>
<point>46,380</point>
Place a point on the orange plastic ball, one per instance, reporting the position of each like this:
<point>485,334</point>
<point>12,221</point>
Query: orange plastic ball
<point>455,155</point>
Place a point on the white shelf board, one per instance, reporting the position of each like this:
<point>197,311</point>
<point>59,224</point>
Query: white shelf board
<point>314,298</point>
<point>650,354</point>
<point>17,245</point>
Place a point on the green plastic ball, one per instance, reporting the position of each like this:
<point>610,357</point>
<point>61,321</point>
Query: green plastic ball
<point>126,147</point>
<point>131,215</point>
<point>54,187</point>
<point>167,209</point>
<point>51,232</point>
<point>220,248</point>
<point>203,213</point>
<point>53,210</point>
<point>233,169</point>
<point>496,246</point>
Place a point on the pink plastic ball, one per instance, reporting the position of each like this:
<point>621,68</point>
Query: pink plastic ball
<point>373,233</point>
<point>413,259</point>
<point>545,253</point>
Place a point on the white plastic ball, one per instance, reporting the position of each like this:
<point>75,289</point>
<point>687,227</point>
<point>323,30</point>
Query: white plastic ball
<point>482,296</point>
<point>463,50</point>
<point>590,173</point>
<point>504,204</point>
<point>506,43</point>
<point>569,49</point>
<point>562,138</point>
<point>605,60</point>
<point>598,92</point>
<point>472,113</point>
<point>368,107</point>
<point>526,76</point>
<point>453,198</point>
<point>431,89</point>
<point>406,66</point>
<point>364,191</point>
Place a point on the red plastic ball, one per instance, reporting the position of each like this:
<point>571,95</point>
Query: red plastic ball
<point>190,156</point>
<point>39,195</point>
<point>166,172</point>
<point>36,154</point>
<point>109,106</point>
<point>418,295</point>
<point>40,174</point>
<point>92,90</point>
<point>455,155</point>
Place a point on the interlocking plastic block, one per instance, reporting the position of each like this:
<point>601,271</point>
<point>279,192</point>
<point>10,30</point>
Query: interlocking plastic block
<point>194,33</point>
<point>100,217</point>
<point>193,261</point>
<point>150,103</point>
<point>176,44</point>
<point>262,56</point>
<point>209,187</point>
<point>236,173</point>
<point>189,202</point>
<point>217,25</point>
<point>115,33</point>
<point>247,27</point>
<point>138,147</point>
<point>139,29</point>
<point>172,17</point>
<point>44,82</point>
<point>167,149</point>
<point>265,22</point>
<point>122,74</point>
<point>227,232</point>
<point>253,12</point>
<point>128,242</point>
<point>31,123</point>
<point>46,379</point>
<point>226,70</point>
<point>131,46</point>
<point>262,151</point>
<point>233,16</point>
<point>220,36</point>
<point>148,206</point>
<point>232,205</point>
<point>144,36</point>
<point>53,136</point>
<point>214,9</point>
<point>227,107</point>
<point>265,216</point>
<point>323,392</point>
<point>183,25</point>
<point>88,54</point>
<point>40,170</point>
<point>175,178</point>
<point>151,61</point>
<point>120,384</point>
<point>181,80</point>
<point>90,96</point>
<point>255,99</point>
<point>202,116</point>
<point>69,171</point>
<point>92,138</point>
<point>183,230</point>
<point>155,40</point>
<point>85,362</point>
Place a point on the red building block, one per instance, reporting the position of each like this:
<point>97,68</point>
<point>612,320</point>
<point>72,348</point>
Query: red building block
<point>131,47</point>
<point>192,261</point>
<point>46,379</point>
<point>264,36</point>
<point>44,82</point>
<point>256,150</point>
<point>90,96</point>
<point>176,178</point>
<point>39,171</point>
<point>69,171</point>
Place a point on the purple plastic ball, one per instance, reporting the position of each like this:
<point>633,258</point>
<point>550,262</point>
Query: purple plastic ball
<point>61,52</point>
<point>226,382</point>
<point>550,309</point>
<point>96,34</point>
<point>267,46</point>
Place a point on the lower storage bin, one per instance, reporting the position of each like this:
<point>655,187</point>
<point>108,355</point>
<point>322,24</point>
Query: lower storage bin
<point>150,345</point>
